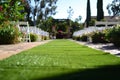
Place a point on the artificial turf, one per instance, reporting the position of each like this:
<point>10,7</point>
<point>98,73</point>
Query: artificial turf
<point>60,60</point>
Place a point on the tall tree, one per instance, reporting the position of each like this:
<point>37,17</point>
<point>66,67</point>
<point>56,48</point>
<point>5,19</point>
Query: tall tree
<point>27,8</point>
<point>70,12</point>
<point>43,9</point>
<point>100,12</point>
<point>78,19</point>
<point>114,8</point>
<point>88,17</point>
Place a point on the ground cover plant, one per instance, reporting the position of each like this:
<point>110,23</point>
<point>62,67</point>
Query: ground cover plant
<point>60,60</point>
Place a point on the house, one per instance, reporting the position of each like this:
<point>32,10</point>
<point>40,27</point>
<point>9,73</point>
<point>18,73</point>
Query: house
<point>109,18</point>
<point>108,21</point>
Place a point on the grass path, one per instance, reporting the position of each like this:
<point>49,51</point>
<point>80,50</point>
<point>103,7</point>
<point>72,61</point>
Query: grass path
<point>60,60</point>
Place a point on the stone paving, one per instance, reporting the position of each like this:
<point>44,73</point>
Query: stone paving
<point>9,50</point>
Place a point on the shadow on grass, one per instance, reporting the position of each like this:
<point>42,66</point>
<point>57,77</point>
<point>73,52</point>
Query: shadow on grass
<point>101,73</point>
<point>118,54</point>
<point>108,47</point>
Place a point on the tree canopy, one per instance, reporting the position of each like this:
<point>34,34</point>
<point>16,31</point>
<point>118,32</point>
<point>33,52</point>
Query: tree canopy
<point>100,12</point>
<point>70,12</point>
<point>114,8</point>
<point>11,10</point>
<point>88,17</point>
<point>43,9</point>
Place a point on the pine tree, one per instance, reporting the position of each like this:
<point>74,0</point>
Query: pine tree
<point>88,18</point>
<point>100,12</point>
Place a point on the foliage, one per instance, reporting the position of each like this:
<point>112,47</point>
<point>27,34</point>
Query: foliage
<point>70,12</point>
<point>11,10</point>
<point>100,12</point>
<point>76,26</point>
<point>78,38</point>
<point>113,35</point>
<point>88,17</point>
<point>98,37</point>
<point>44,9</point>
<point>62,26</point>
<point>53,26</point>
<point>74,37</point>
<point>78,19</point>
<point>9,33</point>
<point>92,22</point>
<point>44,37</point>
<point>33,37</point>
<point>28,9</point>
<point>60,35</point>
<point>84,37</point>
<point>114,8</point>
<point>60,60</point>
<point>46,25</point>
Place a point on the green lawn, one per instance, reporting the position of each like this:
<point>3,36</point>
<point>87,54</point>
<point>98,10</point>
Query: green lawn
<point>60,60</point>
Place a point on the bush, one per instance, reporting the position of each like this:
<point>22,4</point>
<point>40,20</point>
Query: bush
<point>84,38</point>
<point>73,37</point>
<point>45,37</point>
<point>33,37</point>
<point>113,35</point>
<point>98,37</point>
<point>9,33</point>
<point>78,38</point>
<point>92,22</point>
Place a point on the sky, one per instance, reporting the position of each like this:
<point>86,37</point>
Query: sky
<point>79,8</point>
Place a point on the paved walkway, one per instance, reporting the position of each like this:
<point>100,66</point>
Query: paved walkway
<point>109,47</point>
<point>9,50</point>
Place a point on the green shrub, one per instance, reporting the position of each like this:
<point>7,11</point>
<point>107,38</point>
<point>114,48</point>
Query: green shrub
<point>42,37</point>
<point>92,22</point>
<point>84,37</point>
<point>78,38</point>
<point>113,35</point>
<point>73,37</point>
<point>9,33</point>
<point>98,37</point>
<point>33,37</point>
<point>45,37</point>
